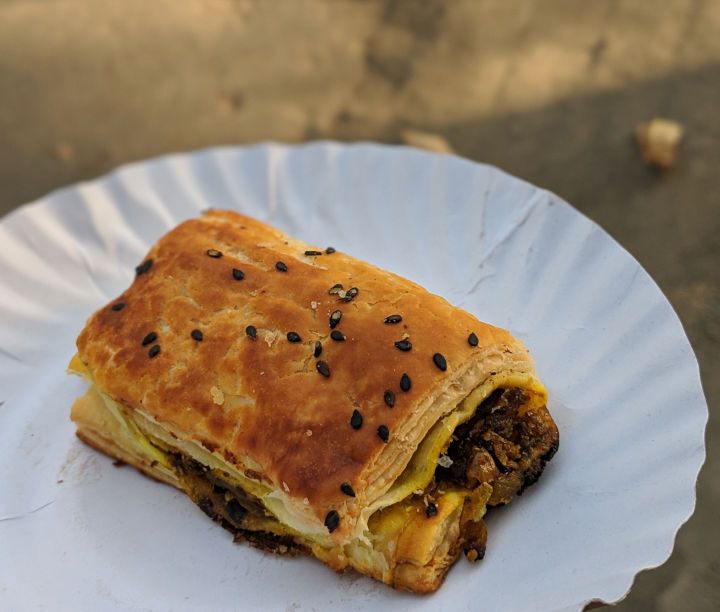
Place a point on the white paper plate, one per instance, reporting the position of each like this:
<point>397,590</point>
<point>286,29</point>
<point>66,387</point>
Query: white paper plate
<point>77,533</point>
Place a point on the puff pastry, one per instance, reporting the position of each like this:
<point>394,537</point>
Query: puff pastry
<point>311,402</point>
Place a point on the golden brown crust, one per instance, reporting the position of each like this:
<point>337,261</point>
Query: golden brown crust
<point>260,403</point>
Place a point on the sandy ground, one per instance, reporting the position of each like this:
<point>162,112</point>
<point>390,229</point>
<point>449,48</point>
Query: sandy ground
<point>549,91</point>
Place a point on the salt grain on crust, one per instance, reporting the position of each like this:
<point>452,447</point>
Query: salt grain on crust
<point>270,336</point>
<point>217,395</point>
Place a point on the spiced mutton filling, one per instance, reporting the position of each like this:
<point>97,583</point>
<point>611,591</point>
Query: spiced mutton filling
<point>234,508</point>
<point>501,449</point>
<point>501,445</point>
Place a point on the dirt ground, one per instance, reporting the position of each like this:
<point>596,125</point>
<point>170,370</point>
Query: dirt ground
<point>549,91</point>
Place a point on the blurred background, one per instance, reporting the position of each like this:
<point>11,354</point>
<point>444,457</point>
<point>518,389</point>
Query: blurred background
<point>550,91</point>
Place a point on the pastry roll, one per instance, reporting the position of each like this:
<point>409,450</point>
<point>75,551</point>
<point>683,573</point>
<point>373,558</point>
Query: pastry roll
<point>312,403</point>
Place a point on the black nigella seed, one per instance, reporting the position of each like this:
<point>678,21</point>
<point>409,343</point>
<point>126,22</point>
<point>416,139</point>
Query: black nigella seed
<point>144,267</point>
<point>118,306</point>
<point>403,345</point>
<point>323,368</point>
<point>235,511</point>
<point>337,335</point>
<point>431,510</point>
<point>405,382</point>
<point>281,266</point>
<point>356,419</point>
<point>196,334</point>
<point>389,398</point>
<point>329,250</point>
<point>154,351</point>
<point>149,339</point>
<point>313,253</point>
<point>350,294</point>
<point>318,349</point>
<point>332,520</point>
<point>383,432</point>
<point>346,488</point>
<point>251,331</point>
<point>293,337</point>
<point>439,361</point>
<point>336,288</point>
<point>238,274</point>
<point>472,339</point>
<point>214,253</point>
<point>335,318</point>
<point>392,319</point>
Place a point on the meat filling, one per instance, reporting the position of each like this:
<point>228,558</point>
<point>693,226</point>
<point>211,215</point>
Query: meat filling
<point>235,509</point>
<point>500,445</point>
